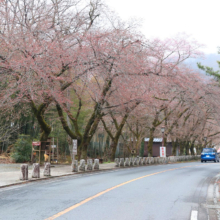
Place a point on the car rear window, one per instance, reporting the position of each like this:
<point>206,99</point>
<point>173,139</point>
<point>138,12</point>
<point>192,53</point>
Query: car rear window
<point>207,150</point>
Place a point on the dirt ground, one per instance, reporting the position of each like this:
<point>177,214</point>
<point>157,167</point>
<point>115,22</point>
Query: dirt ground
<point>4,159</point>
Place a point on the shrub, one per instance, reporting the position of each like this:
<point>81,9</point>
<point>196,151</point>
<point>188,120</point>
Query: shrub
<point>22,149</point>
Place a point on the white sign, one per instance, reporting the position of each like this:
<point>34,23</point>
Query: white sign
<point>162,151</point>
<point>53,146</point>
<point>74,147</point>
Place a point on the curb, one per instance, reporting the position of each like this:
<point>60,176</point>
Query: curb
<point>84,172</point>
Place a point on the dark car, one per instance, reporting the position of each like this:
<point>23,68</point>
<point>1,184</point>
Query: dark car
<point>209,154</point>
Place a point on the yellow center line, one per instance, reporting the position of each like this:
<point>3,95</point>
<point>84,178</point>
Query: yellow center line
<point>107,190</point>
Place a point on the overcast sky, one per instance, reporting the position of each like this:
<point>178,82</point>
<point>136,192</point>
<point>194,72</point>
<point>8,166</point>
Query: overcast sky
<point>166,18</point>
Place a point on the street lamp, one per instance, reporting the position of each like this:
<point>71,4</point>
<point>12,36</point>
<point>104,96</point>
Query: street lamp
<point>163,130</point>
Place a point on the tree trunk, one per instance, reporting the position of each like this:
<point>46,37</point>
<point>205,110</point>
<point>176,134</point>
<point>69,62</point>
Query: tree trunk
<point>181,148</point>
<point>113,148</point>
<point>83,149</point>
<point>192,148</point>
<point>44,126</point>
<point>174,146</point>
<point>187,148</point>
<point>150,143</point>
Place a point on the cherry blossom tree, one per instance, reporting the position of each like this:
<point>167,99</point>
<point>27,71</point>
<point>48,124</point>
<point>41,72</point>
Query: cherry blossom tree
<point>42,52</point>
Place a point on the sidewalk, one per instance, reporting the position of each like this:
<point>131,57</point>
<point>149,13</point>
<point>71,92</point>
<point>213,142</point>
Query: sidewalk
<point>10,173</point>
<point>213,198</point>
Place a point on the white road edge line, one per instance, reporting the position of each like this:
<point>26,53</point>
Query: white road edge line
<point>194,215</point>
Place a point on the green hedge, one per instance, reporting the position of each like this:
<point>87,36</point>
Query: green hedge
<point>22,149</point>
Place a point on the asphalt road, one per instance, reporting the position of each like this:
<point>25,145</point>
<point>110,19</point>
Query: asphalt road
<point>159,192</point>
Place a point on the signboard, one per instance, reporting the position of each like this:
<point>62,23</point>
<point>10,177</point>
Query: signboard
<point>36,143</point>
<point>162,151</point>
<point>74,147</point>
<point>53,146</point>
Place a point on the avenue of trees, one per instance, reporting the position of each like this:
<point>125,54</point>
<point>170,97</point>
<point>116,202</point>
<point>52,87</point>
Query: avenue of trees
<point>71,69</point>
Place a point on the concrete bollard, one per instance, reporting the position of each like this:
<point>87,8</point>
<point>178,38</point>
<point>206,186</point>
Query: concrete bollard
<point>140,161</point>
<point>122,162</point>
<point>24,172</point>
<point>144,161</point>
<point>127,162</point>
<point>152,160</point>
<point>96,164</point>
<point>171,158</point>
<point>74,166</point>
<point>131,161</point>
<point>82,165</point>
<point>155,160</point>
<point>117,162</point>
<point>36,170</point>
<point>46,171</point>
<point>89,164</point>
<point>135,161</point>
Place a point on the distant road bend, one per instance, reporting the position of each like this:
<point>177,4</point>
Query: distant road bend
<point>161,192</point>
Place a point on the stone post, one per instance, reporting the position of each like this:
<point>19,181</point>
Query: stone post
<point>135,161</point>
<point>152,160</point>
<point>82,166</point>
<point>140,161</point>
<point>131,161</point>
<point>24,172</point>
<point>96,164</point>
<point>89,164</point>
<point>117,162</point>
<point>46,171</point>
<point>172,158</point>
<point>122,162</point>
<point>74,166</point>
<point>36,170</point>
<point>127,162</point>
<point>144,161</point>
